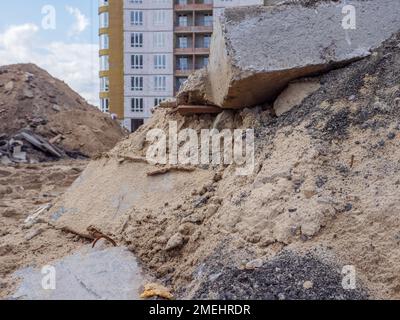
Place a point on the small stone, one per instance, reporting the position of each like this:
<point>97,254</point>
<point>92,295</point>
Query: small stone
<point>212,209</point>
<point>255,264</point>
<point>9,86</point>
<point>34,233</point>
<point>28,94</point>
<point>217,177</point>
<point>308,285</point>
<point>175,242</point>
<point>196,218</point>
<point>348,207</point>
<point>391,136</point>
<point>56,108</point>
<point>185,229</point>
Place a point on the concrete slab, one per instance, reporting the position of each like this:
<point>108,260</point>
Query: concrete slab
<point>256,51</point>
<point>90,274</point>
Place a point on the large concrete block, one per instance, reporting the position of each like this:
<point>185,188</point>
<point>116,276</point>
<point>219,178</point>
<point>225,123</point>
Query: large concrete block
<point>256,51</point>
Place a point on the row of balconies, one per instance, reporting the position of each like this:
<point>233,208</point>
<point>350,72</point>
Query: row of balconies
<point>197,6</point>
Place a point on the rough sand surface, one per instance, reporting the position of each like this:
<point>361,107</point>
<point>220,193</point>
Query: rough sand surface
<point>325,186</point>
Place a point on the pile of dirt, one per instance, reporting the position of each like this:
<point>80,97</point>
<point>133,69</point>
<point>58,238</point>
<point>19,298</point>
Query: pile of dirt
<point>32,101</point>
<point>323,195</point>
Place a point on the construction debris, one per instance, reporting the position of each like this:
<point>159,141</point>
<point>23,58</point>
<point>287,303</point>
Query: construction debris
<point>233,237</point>
<point>34,216</point>
<point>170,169</point>
<point>26,147</point>
<point>257,51</point>
<point>192,109</point>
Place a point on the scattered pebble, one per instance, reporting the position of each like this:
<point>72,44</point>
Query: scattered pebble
<point>308,285</point>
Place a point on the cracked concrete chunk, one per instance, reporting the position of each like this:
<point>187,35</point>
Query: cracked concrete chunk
<point>105,274</point>
<point>257,51</point>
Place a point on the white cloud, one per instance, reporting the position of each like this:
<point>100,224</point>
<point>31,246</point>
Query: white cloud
<point>81,22</point>
<point>75,63</point>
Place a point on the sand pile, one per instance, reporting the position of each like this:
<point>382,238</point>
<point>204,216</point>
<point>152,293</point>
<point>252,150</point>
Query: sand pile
<point>32,101</point>
<point>324,194</point>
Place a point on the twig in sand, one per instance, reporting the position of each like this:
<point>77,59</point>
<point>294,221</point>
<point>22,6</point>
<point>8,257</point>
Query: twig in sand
<point>169,169</point>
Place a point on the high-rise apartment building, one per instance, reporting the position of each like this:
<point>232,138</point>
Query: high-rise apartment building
<point>148,48</point>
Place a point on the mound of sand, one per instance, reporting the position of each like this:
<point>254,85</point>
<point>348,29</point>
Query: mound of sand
<point>33,100</point>
<point>324,194</point>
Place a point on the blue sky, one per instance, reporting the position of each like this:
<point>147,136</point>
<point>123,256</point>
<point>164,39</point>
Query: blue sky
<point>58,35</point>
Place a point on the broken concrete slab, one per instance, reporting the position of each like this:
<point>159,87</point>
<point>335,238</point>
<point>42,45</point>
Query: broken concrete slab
<point>41,144</point>
<point>294,95</point>
<point>256,51</point>
<point>196,90</point>
<point>19,155</point>
<point>90,274</point>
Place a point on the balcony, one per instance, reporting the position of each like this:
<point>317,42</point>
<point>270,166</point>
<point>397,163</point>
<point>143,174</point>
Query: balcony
<point>183,73</point>
<point>184,50</point>
<point>195,29</point>
<point>193,7</point>
<point>202,51</point>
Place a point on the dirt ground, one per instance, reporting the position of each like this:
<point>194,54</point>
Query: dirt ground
<point>24,189</point>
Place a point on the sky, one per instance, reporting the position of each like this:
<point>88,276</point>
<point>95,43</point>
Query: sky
<point>59,36</point>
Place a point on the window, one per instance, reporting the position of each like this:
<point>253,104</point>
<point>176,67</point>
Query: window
<point>208,20</point>
<point>105,105</point>
<point>137,18</point>
<point>160,83</point>
<point>137,61</point>
<point>207,41</point>
<point>103,3</point>
<point>137,40</point>
<point>183,63</point>
<point>137,105</point>
<point>137,83</point>
<point>103,20</point>
<point>104,41</point>
<point>159,39</point>
<point>104,63</point>
<point>159,17</point>
<point>183,42</point>
<point>183,20</point>
<point>104,84</point>
<point>160,61</point>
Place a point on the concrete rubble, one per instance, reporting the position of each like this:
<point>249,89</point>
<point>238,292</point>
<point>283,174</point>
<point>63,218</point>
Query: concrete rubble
<point>25,146</point>
<point>256,51</point>
<point>104,273</point>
